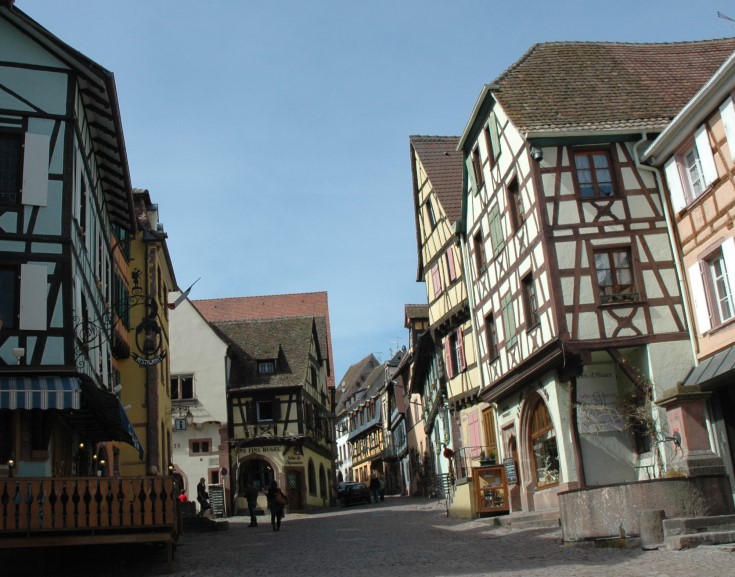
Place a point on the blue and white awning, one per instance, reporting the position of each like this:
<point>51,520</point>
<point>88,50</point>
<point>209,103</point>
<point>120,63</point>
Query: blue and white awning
<point>40,393</point>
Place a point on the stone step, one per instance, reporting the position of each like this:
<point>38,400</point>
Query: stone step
<point>686,526</point>
<point>684,533</point>
<point>533,520</point>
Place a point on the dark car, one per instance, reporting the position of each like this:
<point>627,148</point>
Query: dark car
<point>355,493</point>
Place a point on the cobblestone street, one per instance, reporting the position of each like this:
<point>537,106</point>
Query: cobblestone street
<point>402,536</point>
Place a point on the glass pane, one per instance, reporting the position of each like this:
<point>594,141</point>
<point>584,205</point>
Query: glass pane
<point>187,387</point>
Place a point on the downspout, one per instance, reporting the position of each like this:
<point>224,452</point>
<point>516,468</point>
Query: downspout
<point>673,234</point>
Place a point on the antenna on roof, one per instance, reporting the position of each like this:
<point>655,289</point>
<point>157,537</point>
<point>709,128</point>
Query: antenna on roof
<point>724,16</point>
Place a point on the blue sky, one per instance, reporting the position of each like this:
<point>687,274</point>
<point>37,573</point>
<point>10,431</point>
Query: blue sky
<point>274,134</point>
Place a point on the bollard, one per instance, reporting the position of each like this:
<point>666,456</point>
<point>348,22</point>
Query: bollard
<point>652,528</point>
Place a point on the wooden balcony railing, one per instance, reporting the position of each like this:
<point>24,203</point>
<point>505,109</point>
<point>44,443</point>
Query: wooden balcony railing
<point>86,504</point>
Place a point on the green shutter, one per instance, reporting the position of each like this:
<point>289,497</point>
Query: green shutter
<point>496,230</point>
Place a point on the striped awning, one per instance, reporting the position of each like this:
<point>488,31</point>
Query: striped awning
<point>39,393</point>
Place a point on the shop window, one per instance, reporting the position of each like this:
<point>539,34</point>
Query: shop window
<point>543,441</point>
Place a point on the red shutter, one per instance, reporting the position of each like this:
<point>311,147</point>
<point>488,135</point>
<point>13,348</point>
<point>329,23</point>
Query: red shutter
<point>437,280</point>
<point>450,264</point>
<point>448,357</point>
<point>460,350</point>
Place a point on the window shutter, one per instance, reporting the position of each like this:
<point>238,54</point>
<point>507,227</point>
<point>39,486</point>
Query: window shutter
<point>470,174</point>
<point>699,297</point>
<point>33,296</point>
<point>448,357</point>
<point>673,179</point>
<point>460,350</point>
<point>727,113</point>
<point>276,409</point>
<point>728,254</point>
<point>473,432</point>
<point>495,136</point>
<point>450,264</point>
<point>35,169</point>
<point>250,412</point>
<point>701,138</point>
<point>496,230</point>
<point>436,280</point>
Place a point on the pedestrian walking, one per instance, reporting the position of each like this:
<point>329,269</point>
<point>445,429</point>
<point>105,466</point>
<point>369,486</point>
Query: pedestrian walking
<point>202,496</point>
<point>251,494</point>
<point>381,478</point>
<point>375,487</point>
<point>277,504</point>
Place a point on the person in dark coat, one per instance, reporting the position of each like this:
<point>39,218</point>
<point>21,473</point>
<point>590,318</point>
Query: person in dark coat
<point>375,487</point>
<point>276,503</point>
<point>251,494</point>
<point>202,496</point>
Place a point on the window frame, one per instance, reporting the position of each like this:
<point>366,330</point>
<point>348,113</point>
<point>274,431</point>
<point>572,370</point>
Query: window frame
<point>590,153</point>
<point>263,364</point>
<point>530,302</point>
<point>261,418</point>
<point>515,203</point>
<point>617,296</point>
<point>491,337</point>
<point>11,203</point>
<point>178,378</point>
<point>13,302</point>
<point>477,167</point>
<point>711,292</point>
<point>478,243</point>
<point>430,214</point>
<point>436,279</point>
<point>197,447</point>
<point>539,428</point>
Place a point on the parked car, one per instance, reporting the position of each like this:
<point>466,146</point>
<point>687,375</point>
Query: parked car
<point>355,493</point>
<point>341,488</point>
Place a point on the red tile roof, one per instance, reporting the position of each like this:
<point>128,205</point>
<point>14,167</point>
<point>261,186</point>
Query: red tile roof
<point>270,307</point>
<point>565,86</point>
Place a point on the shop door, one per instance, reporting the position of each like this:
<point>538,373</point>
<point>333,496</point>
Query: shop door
<point>293,490</point>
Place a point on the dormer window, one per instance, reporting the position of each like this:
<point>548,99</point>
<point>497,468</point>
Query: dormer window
<point>266,367</point>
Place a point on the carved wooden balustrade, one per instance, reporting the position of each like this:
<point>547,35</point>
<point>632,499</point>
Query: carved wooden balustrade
<point>86,505</point>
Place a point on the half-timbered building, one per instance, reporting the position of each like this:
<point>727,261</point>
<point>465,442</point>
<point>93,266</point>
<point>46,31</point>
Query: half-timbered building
<point>66,209</point>
<point>575,296</point>
<point>72,308</point>
<point>278,408</point>
<point>695,155</point>
<point>350,388</point>
<point>437,170</point>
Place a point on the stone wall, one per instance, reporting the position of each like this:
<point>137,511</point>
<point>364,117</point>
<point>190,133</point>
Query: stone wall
<point>614,510</point>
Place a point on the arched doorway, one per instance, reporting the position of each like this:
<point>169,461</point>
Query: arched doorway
<point>538,456</point>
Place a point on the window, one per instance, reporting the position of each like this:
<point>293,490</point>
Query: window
<point>488,424</point>
<point>492,140</point>
<point>197,446</point>
<point>265,410</point>
<point>430,214</point>
<point>594,175</point>
<point>491,337</point>
<point>615,275</point>
<point>530,303</point>
<point>10,168</point>
<point>509,321</point>
<point>543,441</point>
<point>454,353</point>
<point>182,387</point>
<point>8,292</point>
<point>479,247</point>
<point>266,367</point>
<point>695,176</point>
<point>515,203</point>
<point>477,167</point>
<point>436,280</point>
<point>451,266</point>
<point>720,288</point>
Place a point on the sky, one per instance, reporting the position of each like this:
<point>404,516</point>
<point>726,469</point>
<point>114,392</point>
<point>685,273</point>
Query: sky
<point>274,134</point>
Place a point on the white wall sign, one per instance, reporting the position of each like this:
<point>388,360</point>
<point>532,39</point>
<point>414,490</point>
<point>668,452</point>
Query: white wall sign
<point>598,400</point>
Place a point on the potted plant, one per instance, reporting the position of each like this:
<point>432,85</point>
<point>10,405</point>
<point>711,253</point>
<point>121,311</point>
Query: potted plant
<point>488,460</point>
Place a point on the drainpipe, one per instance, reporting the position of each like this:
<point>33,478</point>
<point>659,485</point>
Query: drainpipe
<point>673,234</point>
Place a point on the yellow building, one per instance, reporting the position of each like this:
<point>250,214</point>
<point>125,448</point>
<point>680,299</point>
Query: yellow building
<point>145,374</point>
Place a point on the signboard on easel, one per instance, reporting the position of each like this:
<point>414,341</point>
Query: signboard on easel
<point>217,501</point>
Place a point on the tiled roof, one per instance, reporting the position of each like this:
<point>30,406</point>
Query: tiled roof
<point>444,167</point>
<point>353,381</point>
<point>569,86</point>
<point>272,307</point>
<point>287,339</point>
<point>417,311</point>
